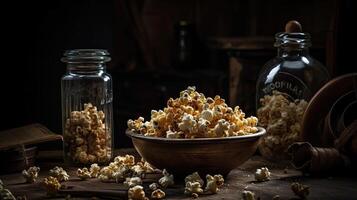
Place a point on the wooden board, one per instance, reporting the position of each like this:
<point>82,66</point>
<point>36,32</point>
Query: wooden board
<point>242,178</point>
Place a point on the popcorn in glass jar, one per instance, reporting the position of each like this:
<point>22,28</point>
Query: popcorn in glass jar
<point>284,87</point>
<point>87,107</point>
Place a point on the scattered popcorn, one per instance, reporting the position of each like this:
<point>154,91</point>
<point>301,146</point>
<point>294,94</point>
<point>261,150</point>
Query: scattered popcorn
<point>94,170</point>
<point>193,188</point>
<point>248,195</point>
<point>219,180</point>
<point>59,173</point>
<point>194,177</point>
<point>282,119</point>
<point>83,173</point>
<point>52,185</point>
<point>262,174</point>
<point>192,115</point>
<point>104,178</point>
<point>300,190</point>
<point>131,182</point>
<point>167,179</point>
<point>276,197</point>
<point>31,174</point>
<point>137,193</point>
<point>213,183</point>
<point>158,194</point>
<point>86,136</point>
<point>106,174</point>
<point>121,168</point>
<point>153,186</point>
<point>125,160</point>
<point>122,172</point>
<point>141,168</point>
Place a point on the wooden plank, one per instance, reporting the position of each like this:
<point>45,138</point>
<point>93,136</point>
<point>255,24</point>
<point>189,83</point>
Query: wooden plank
<point>242,178</point>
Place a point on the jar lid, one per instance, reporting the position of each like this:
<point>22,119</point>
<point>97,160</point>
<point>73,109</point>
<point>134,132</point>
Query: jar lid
<point>86,56</point>
<point>296,39</point>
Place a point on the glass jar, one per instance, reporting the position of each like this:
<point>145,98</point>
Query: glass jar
<point>284,87</point>
<point>87,110</point>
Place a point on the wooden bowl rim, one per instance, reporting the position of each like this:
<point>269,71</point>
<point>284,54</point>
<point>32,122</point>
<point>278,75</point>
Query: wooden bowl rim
<point>131,134</point>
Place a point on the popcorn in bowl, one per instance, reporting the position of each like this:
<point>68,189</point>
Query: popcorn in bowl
<point>192,115</point>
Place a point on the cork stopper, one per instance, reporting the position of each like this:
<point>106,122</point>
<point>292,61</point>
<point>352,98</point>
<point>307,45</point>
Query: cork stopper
<point>293,26</point>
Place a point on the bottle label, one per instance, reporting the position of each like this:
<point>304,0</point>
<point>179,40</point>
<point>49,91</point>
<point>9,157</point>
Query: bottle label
<point>289,84</point>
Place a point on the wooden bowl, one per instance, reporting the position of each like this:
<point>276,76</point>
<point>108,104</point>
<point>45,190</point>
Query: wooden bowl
<point>205,155</point>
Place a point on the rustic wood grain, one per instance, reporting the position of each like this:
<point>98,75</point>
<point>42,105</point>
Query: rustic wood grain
<point>242,178</point>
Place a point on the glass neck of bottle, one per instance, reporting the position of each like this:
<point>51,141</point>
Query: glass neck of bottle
<point>86,68</point>
<point>288,51</point>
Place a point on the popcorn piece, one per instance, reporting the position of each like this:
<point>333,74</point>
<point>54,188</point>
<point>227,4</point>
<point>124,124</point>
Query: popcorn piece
<point>122,172</point>
<point>86,136</point>
<point>106,174</point>
<point>131,182</point>
<point>194,177</point>
<point>158,194</point>
<point>83,173</point>
<point>188,123</point>
<point>104,178</point>
<point>203,125</point>
<point>123,167</point>
<point>248,195</point>
<point>193,188</point>
<point>153,186</point>
<point>52,185</point>
<point>59,173</point>
<point>207,115</point>
<point>31,174</point>
<point>172,134</point>
<point>221,127</point>
<point>138,170</point>
<point>94,170</point>
<point>219,180</point>
<point>276,197</point>
<point>192,115</point>
<point>300,190</point>
<point>141,168</point>
<point>137,193</point>
<point>167,179</point>
<point>125,160</point>
<point>213,183</point>
<point>117,170</point>
<point>262,174</point>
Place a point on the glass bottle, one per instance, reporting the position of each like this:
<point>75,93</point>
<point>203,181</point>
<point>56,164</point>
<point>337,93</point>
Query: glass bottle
<point>183,55</point>
<point>87,111</point>
<point>284,87</point>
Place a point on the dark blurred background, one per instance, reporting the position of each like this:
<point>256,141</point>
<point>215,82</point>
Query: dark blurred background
<point>227,43</point>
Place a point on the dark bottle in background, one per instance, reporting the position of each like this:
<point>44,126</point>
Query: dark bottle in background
<point>184,46</point>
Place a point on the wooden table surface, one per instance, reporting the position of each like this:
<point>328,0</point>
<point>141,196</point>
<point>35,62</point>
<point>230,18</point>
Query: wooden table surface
<point>242,178</point>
